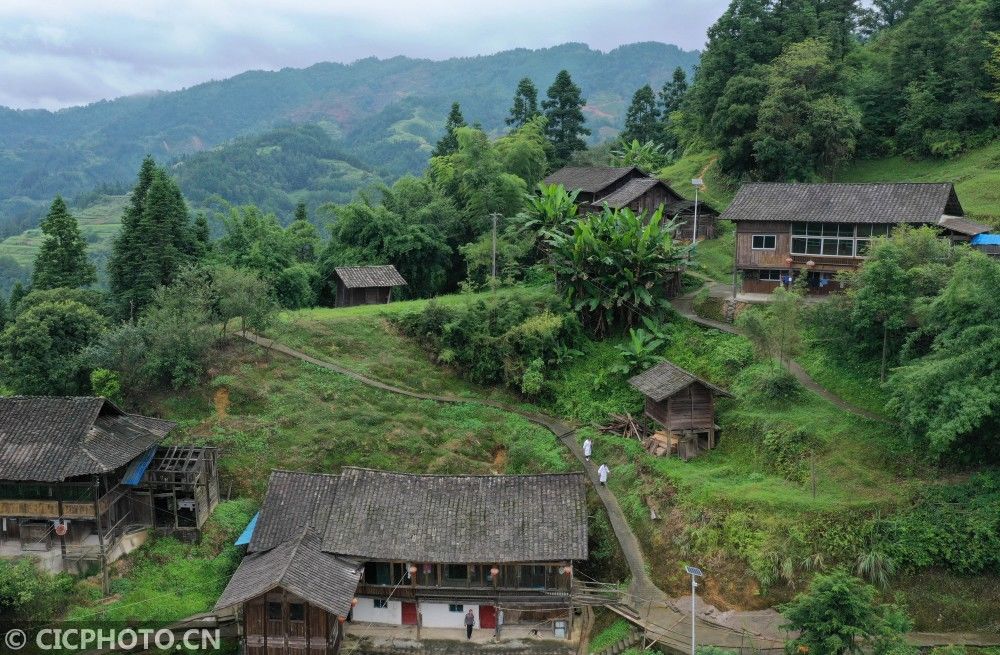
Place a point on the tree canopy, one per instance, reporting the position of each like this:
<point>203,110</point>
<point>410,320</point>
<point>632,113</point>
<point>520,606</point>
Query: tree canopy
<point>62,259</point>
<point>525,105</point>
<point>565,128</point>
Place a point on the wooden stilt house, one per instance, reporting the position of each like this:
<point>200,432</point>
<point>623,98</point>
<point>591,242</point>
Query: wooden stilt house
<point>684,405</point>
<point>366,285</point>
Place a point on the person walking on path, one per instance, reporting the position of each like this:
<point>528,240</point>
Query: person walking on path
<point>470,621</point>
<point>602,473</point>
<point>588,447</point>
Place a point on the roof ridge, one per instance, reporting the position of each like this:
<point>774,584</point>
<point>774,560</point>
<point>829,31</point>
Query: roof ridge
<point>462,475</point>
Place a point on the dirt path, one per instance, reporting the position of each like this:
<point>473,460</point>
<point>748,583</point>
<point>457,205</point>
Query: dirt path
<point>667,620</point>
<point>685,307</point>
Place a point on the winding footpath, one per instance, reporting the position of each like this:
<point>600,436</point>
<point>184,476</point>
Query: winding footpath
<point>666,620</point>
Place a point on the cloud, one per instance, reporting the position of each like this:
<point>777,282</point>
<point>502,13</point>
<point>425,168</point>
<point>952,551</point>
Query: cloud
<point>66,52</point>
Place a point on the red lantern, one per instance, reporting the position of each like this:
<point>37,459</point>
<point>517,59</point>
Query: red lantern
<point>494,572</point>
<point>789,260</point>
<point>566,570</point>
<point>810,263</point>
<point>341,619</point>
<point>61,529</point>
<point>354,602</point>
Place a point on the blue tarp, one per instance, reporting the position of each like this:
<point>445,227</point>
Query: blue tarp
<point>986,240</point>
<point>247,533</point>
<point>135,470</point>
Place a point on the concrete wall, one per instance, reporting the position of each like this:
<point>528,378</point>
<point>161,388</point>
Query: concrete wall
<point>365,610</point>
<point>437,615</point>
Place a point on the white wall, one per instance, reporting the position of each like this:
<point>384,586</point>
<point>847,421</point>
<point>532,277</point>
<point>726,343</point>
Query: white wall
<point>365,610</point>
<point>437,615</point>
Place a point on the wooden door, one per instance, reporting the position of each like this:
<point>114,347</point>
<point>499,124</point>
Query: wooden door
<point>409,613</point>
<point>487,616</point>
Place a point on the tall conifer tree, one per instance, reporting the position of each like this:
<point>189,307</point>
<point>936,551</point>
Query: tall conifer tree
<point>673,92</point>
<point>525,105</point>
<point>449,142</point>
<point>642,120</point>
<point>62,259</point>
<point>564,113</point>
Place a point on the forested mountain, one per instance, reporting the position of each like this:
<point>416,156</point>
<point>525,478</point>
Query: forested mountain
<point>385,112</point>
<point>275,171</point>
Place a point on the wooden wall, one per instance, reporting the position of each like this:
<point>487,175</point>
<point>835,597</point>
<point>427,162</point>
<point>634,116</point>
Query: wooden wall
<point>368,296</point>
<point>692,408</point>
<point>747,257</point>
<point>314,632</point>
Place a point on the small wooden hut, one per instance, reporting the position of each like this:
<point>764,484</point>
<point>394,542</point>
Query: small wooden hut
<point>684,405</point>
<point>366,285</point>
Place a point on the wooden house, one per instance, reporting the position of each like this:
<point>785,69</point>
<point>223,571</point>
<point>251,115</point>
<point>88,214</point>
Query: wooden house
<point>630,188</point>
<point>684,405</point>
<point>400,549</point>
<point>987,243</point>
<point>818,230</point>
<point>366,285</point>
<point>81,481</point>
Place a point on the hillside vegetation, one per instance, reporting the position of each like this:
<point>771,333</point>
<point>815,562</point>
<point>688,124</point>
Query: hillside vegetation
<point>381,111</point>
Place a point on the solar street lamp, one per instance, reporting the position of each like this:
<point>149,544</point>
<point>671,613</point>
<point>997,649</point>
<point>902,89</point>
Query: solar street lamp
<point>694,572</point>
<point>697,183</point>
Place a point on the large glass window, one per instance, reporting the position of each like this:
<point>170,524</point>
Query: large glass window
<point>834,239</point>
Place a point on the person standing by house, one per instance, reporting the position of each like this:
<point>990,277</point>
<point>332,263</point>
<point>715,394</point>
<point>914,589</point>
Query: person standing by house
<point>499,623</point>
<point>588,447</point>
<point>602,473</point>
<point>470,621</point>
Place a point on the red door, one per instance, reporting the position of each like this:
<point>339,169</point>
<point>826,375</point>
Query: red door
<point>409,613</point>
<point>487,616</point>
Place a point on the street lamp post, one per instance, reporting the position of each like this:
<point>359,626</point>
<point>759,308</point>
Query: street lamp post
<point>694,572</point>
<point>698,183</point>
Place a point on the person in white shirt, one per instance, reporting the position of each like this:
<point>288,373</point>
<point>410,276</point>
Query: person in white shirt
<point>588,447</point>
<point>602,473</point>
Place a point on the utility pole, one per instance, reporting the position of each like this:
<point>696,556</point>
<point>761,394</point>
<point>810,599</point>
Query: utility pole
<point>697,182</point>
<point>105,583</point>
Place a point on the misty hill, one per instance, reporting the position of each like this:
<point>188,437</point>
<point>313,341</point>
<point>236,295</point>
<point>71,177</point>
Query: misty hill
<point>384,112</point>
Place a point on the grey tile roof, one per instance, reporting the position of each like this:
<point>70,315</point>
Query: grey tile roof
<point>962,225</point>
<point>845,203</point>
<point>293,501</point>
<point>589,179</point>
<point>458,518</point>
<point>628,192</point>
<point>49,439</point>
<point>299,566</point>
<point>665,379</point>
<point>357,277</point>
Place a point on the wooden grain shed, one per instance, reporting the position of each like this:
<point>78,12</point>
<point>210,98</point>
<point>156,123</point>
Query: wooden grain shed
<point>684,404</point>
<point>366,285</point>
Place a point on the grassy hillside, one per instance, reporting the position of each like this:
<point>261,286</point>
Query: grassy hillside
<point>746,509</point>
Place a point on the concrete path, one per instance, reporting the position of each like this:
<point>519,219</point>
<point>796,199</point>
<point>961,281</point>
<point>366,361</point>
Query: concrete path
<point>685,307</point>
<point>666,620</point>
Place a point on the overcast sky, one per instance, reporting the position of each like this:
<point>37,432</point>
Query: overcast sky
<point>57,53</point>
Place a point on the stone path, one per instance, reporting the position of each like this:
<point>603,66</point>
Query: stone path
<point>666,620</point>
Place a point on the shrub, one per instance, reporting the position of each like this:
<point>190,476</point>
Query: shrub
<point>28,593</point>
<point>106,383</point>
<point>767,382</point>
<point>785,448</point>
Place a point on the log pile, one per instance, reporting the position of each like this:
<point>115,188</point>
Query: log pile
<point>659,444</point>
<point>625,425</point>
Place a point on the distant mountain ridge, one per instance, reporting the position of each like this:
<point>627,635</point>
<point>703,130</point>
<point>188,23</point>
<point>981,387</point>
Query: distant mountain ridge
<point>382,112</point>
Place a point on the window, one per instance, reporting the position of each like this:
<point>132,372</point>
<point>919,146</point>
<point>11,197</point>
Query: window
<point>456,608</point>
<point>377,573</point>
<point>763,241</point>
<point>533,575</point>
<point>834,239</point>
<point>273,610</point>
<point>296,612</point>
<point>769,275</point>
<point>456,574</point>
<point>380,604</point>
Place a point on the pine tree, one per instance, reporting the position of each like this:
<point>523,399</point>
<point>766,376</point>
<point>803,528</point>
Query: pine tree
<point>525,105</point>
<point>449,142</point>
<point>202,235</point>
<point>673,93</point>
<point>62,259</point>
<point>17,293</point>
<point>642,120</point>
<point>153,244</point>
<point>564,113</point>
